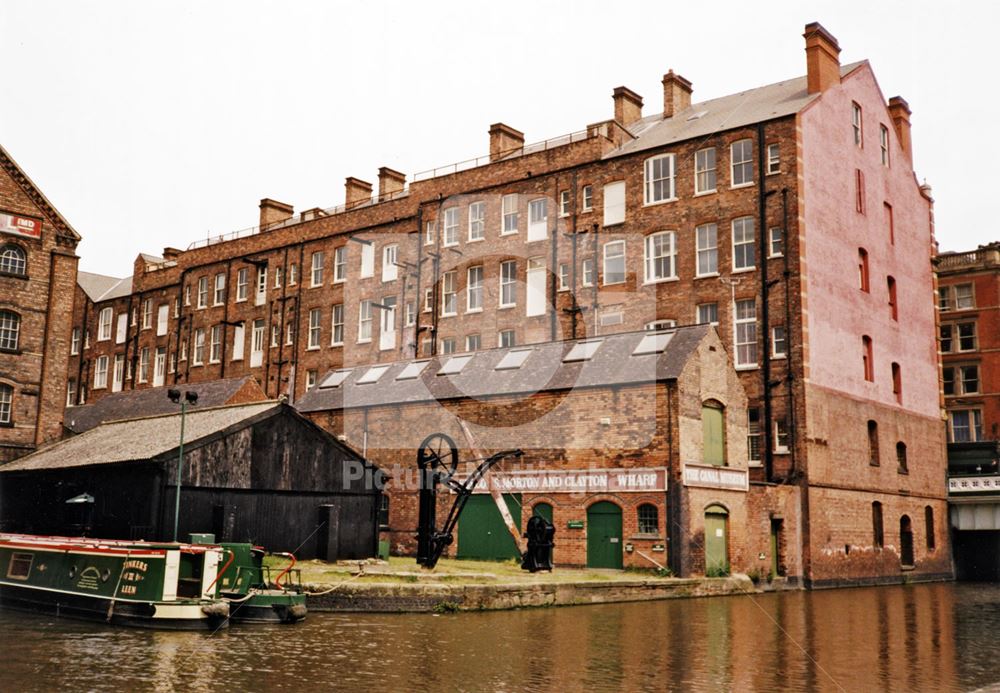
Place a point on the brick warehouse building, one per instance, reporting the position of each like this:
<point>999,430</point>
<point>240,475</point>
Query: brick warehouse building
<point>788,215</point>
<point>37,275</point>
<point>634,446</point>
<point>969,309</point>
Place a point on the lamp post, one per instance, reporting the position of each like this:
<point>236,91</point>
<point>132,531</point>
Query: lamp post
<point>175,397</point>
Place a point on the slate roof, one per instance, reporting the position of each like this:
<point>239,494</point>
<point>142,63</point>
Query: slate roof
<point>736,110</point>
<point>148,402</point>
<point>544,369</point>
<point>100,287</point>
<point>138,439</point>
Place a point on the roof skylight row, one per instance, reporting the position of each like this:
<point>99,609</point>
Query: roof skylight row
<point>655,343</point>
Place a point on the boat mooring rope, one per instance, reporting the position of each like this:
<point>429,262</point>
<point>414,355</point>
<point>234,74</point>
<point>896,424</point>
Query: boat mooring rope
<point>337,586</point>
<point>114,595</point>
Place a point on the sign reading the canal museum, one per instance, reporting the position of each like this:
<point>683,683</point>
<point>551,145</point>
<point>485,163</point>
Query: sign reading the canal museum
<point>577,481</point>
<point>716,477</point>
<point>22,226</point>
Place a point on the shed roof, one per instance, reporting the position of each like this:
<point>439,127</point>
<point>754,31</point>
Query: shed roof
<point>545,368</point>
<point>138,439</point>
<point>101,287</point>
<point>152,402</point>
<point>724,113</point>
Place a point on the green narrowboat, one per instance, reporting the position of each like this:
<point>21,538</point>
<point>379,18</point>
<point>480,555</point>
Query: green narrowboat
<point>245,582</point>
<point>133,583</point>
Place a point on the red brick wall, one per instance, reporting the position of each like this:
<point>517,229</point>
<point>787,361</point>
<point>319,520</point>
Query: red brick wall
<point>43,299</point>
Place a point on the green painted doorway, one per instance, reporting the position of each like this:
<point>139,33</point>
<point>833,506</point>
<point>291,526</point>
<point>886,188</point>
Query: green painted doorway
<point>713,433</point>
<point>716,541</point>
<point>776,547</point>
<point>482,533</point>
<point>543,510</point>
<point>604,535</point>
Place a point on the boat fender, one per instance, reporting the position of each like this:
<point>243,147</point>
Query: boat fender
<point>297,611</point>
<point>216,610</point>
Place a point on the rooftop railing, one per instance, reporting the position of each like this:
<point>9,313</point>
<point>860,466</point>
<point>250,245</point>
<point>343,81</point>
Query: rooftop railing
<point>307,215</point>
<point>985,256</point>
<point>468,164</point>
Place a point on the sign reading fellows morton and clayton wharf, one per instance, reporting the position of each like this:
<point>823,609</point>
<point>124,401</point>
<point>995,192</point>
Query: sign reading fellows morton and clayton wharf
<point>578,481</point>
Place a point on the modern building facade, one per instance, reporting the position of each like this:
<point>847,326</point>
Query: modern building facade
<point>788,216</point>
<point>37,279</point>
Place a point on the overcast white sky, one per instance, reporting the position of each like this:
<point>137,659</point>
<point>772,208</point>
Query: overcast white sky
<point>154,124</point>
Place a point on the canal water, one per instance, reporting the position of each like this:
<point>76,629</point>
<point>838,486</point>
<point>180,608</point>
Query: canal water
<point>941,637</point>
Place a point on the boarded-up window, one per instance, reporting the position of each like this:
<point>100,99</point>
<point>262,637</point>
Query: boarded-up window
<point>714,438</point>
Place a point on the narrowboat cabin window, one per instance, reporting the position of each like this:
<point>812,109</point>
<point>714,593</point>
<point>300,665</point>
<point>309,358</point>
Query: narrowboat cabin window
<point>20,565</point>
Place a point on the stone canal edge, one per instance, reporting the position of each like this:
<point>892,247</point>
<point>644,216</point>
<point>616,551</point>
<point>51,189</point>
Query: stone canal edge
<point>437,598</point>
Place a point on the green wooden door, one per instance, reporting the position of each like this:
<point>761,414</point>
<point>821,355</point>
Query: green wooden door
<point>482,533</point>
<point>714,441</point>
<point>716,544</point>
<point>604,535</point>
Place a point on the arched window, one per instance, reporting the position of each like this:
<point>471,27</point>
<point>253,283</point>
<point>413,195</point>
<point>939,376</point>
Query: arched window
<point>10,328</point>
<point>6,404</point>
<point>867,358</point>
<point>649,519</point>
<point>929,525</point>
<point>542,510</point>
<point>863,269</point>
<point>901,457</point>
<point>713,433</point>
<point>13,260</point>
<point>873,443</point>
<point>905,541</point>
<point>878,534</point>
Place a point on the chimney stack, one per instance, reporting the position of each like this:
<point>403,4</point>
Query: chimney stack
<point>503,140</point>
<point>171,253</point>
<point>676,94</point>
<point>389,182</point>
<point>628,105</point>
<point>822,58</point>
<point>273,212</point>
<point>357,191</point>
<point>899,111</point>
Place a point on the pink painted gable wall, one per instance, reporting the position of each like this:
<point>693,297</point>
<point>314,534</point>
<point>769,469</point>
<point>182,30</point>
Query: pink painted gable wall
<point>838,312</point>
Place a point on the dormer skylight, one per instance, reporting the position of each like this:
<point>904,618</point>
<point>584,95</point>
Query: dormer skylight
<point>654,343</point>
<point>454,365</point>
<point>513,359</point>
<point>412,370</point>
<point>583,351</point>
<point>372,375</point>
<point>335,379</point>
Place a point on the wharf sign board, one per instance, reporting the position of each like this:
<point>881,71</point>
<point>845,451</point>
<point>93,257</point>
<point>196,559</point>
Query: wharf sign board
<point>709,476</point>
<point>21,226</point>
<point>577,481</point>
